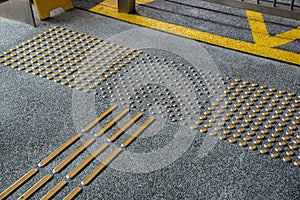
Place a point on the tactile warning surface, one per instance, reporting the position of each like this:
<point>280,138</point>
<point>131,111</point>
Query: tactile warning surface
<point>258,117</point>
<point>69,58</point>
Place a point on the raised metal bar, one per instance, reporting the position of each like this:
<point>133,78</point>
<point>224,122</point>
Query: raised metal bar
<point>126,6</point>
<point>71,157</point>
<point>89,159</point>
<point>137,132</point>
<point>36,187</point>
<point>59,150</point>
<point>73,193</point>
<point>99,118</point>
<point>112,122</point>
<point>125,127</point>
<point>18,183</point>
<point>19,10</point>
<point>111,157</point>
<point>55,190</point>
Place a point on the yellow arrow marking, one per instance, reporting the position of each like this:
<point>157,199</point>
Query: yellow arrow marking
<point>261,35</point>
<point>247,47</point>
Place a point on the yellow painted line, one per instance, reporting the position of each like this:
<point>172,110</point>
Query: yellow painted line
<point>125,127</point>
<point>71,157</point>
<point>55,190</point>
<point>261,35</point>
<point>106,162</point>
<point>226,42</point>
<point>36,187</point>
<point>73,193</point>
<point>18,183</point>
<point>89,159</point>
<point>98,119</point>
<point>112,122</point>
<point>59,150</point>
<point>138,132</point>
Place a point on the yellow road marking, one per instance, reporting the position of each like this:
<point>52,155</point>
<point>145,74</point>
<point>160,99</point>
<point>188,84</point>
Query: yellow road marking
<point>138,132</point>
<point>37,186</point>
<point>98,119</point>
<point>18,183</point>
<point>55,190</point>
<point>106,162</point>
<point>59,150</point>
<point>230,43</point>
<point>89,159</point>
<point>73,193</point>
<point>71,157</point>
<point>125,127</point>
<point>112,122</point>
<point>261,35</point>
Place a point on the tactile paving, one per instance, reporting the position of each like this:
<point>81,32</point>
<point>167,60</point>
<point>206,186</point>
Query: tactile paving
<point>257,117</point>
<point>70,58</point>
<point>72,157</point>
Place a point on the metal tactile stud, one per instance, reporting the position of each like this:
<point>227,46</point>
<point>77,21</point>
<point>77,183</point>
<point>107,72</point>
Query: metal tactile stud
<point>253,147</point>
<point>275,155</point>
<point>264,151</point>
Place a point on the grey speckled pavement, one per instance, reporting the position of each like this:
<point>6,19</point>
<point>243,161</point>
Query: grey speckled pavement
<point>38,115</point>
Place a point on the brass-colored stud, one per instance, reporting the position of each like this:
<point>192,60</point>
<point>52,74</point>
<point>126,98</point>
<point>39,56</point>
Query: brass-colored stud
<point>264,151</point>
<point>194,127</point>
<point>203,130</point>
<point>232,140</point>
<point>253,147</point>
<point>286,159</point>
<point>242,143</point>
<point>268,145</point>
<point>279,149</point>
<point>293,146</point>
<point>286,138</point>
<point>223,137</point>
<point>275,155</point>
<point>272,140</point>
<point>247,138</point>
<point>290,153</point>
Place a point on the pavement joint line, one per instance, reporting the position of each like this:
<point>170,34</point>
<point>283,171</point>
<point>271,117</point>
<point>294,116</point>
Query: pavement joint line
<point>73,156</point>
<point>112,122</point>
<point>87,161</point>
<point>35,187</point>
<point>125,127</point>
<point>55,190</point>
<point>18,183</point>
<point>59,150</point>
<point>137,132</point>
<point>238,45</point>
<point>99,118</point>
<point>72,195</point>
<point>101,167</point>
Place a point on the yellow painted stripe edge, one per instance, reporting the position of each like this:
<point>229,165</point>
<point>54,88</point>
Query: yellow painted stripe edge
<point>229,43</point>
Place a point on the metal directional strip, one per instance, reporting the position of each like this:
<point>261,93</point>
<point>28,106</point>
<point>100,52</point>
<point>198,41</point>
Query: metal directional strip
<point>250,115</point>
<point>51,193</point>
